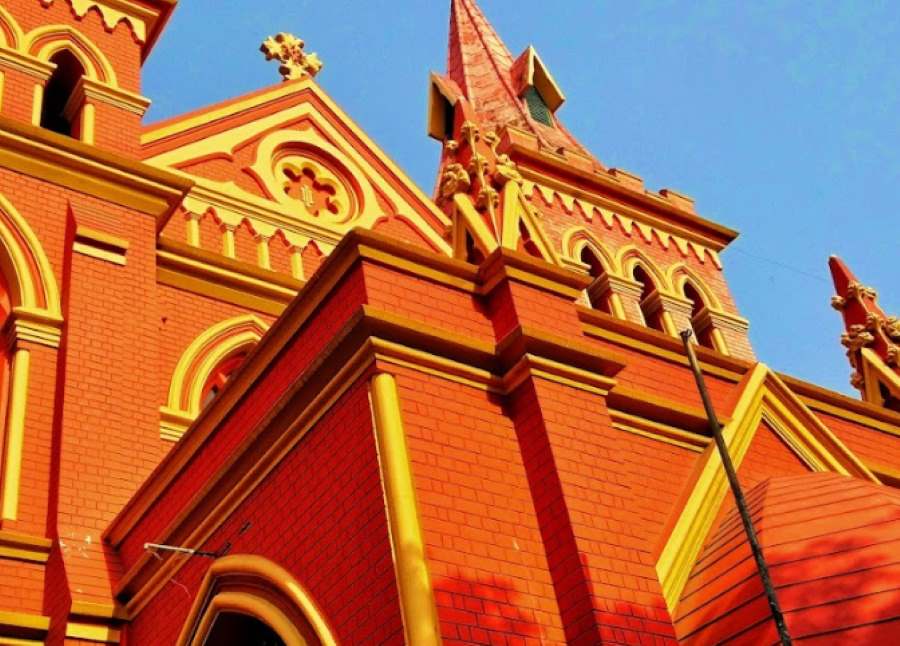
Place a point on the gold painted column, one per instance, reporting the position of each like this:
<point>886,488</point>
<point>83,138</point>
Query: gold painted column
<point>624,297</point>
<point>417,603</point>
<point>15,432</point>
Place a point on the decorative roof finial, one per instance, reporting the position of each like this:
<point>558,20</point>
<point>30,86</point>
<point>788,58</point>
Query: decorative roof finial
<point>287,49</point>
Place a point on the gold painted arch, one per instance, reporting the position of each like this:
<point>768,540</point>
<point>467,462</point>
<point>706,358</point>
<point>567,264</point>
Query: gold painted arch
<point>205,353</point>
<point>576,239</point>
<point>11,35</point>
<point>629,257</point>
<point>25,265</point>
<point>679,274</point>
<point>256,587</point>
<point>44,42</point>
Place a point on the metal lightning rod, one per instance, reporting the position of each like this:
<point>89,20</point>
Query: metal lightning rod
<point>740,501</point>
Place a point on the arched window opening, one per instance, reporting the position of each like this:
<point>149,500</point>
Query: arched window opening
<point>651,311</point>
<point>233,629</point>
<point>598,294</point>
<point>702,328</point>
<point>61,112</point>
<point>219,377</point>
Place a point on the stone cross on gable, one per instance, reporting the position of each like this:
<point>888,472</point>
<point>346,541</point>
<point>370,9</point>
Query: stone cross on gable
<point>287,49</point>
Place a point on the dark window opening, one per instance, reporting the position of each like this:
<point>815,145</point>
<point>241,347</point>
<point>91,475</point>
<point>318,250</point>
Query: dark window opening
<point>56,113</point>
<point>537,107</point>
<point>526,244</point>
<point>703,333</point>
<point>220,377</point>
<point>890,402</point>
<point>599,298</point>
<point>232,629</point>
<point>473,253</point>
<point>652,318</point>
<point>449,120</point>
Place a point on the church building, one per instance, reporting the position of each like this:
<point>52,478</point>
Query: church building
<point>257,387</point>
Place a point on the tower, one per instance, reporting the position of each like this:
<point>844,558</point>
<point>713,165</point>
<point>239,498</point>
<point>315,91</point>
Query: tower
<point>512,176</point>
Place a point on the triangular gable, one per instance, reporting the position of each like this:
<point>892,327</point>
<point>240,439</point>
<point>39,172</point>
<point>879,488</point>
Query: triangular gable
<point>879,380</point>
<point>289,159</point>
<point>518,212</point>
<point>763,396</point>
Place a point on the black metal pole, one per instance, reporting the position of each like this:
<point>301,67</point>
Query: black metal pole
<point>739,499</point>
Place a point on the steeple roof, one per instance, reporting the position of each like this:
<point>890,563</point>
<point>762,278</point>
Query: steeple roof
<point>481,67</point>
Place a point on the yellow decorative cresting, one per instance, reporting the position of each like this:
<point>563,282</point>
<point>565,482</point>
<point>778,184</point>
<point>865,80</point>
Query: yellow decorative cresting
<point>287,49</point>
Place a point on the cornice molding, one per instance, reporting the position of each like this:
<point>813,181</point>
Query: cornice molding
<point>67,162</point>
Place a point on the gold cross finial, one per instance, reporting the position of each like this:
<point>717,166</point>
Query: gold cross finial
<point>287,49</point>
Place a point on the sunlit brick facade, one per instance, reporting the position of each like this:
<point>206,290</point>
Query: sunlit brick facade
<point>258,388</point>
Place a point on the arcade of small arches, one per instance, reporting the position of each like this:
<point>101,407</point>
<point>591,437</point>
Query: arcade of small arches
<point>631,286</point>
<point>71,76</point>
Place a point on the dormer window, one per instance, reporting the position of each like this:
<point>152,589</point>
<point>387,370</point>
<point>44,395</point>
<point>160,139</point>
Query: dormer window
<point>61,109</point>
<point>537,107</point>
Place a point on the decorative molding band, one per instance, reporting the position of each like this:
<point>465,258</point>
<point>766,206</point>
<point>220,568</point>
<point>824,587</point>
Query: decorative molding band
<point>100,245</point>
<point>656,431</point>
<point>20,628</point>
<point>34,67</point>
<point>61,160</point>
<point>629,224</point>
<point>21,547</point>
<point>35,326</point>
<point>118,98</point>
<point>420,620</point>
<point>215,276</point>
<point>113,12</point>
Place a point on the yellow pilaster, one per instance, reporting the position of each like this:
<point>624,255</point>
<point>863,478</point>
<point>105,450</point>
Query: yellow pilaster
<point>617,307</point>
<point>88,113</point>
<point>669,323</point>
<point>228,242</point>
<point>15,432</point>
<point>37,104</point>
<point>413,581</point>
<point>193,230</point>
<point>262,252</point>
<point>297,263</point>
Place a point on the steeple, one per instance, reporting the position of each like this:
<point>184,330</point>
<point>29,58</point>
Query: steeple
<point>500,90</point>
<point>872,338</point>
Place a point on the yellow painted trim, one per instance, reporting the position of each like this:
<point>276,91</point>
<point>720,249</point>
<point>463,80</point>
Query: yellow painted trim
<point>18,35</point>
<point>100,245</point>
<point>93,632</point>
<point>35,292</point>
<point>517,209</point>
<point>617,307</point>
<point>417,602</point>
<point>58,37</point>
<point>2,87</point>
<point>193,229</point>
<point>231,204</point>
<point>67,162</point>
<point>15,432</point>
<point>876,373</point>
<point>274,578</point>
<point>679,274</point>
<point>37,103</point>
<point>657,431</point>
<point>763,397</point>
<point>88,115</point>
<point>36,624</point>
<point>200,359</point>
<point>115,11</point>
<point>227,280</point>
<point>23,547</point>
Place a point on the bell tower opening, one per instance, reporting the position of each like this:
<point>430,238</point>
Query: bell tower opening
<point>57,112</point>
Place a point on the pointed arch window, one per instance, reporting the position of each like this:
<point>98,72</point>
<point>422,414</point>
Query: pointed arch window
<point>649,303</point>
<point>220,376</point>
<point>598,293</point>
<point>63,102</point>
<point>703,329</point>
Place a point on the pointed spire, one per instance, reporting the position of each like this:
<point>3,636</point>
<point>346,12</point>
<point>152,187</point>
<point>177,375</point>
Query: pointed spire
<point>867,328</point>
<point>498,87</point>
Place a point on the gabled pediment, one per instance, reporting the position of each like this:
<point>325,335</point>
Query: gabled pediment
<point>289,160</point>
<point>764,401</point>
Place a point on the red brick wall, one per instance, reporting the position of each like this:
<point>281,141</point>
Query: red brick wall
<point>321,516</point>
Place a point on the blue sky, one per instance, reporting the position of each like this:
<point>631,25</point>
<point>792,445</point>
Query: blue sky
<point>781,118</point>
